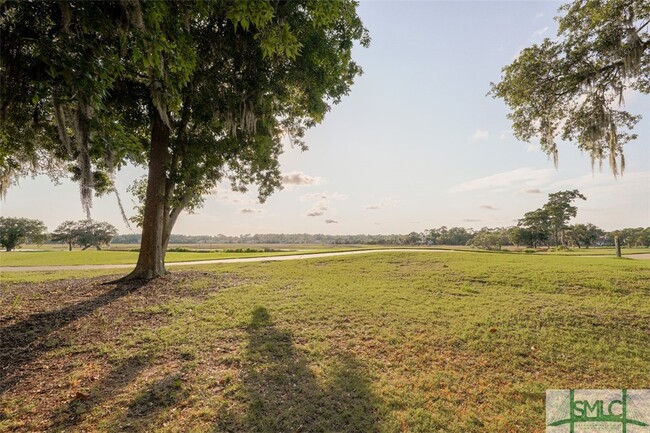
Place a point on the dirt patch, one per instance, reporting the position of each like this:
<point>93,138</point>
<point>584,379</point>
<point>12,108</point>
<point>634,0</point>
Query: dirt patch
<point>52,369</point>
<point>638,256</point>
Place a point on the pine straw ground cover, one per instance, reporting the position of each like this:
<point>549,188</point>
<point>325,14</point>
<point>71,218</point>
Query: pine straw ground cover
<point>419,342</point>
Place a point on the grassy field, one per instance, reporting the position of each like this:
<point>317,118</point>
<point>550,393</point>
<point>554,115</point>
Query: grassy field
<point>117,257</point>
<point>390,342</point>
<point>601,251</point>
<point>125,254</point>
<point>200,247</point>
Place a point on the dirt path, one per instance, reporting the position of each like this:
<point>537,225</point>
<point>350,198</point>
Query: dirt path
<point>638,256</point>
<point>643,256</point>
<point>212,262</point>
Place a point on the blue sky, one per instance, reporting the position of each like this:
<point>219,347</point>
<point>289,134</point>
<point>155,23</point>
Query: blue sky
<point>417,144</point>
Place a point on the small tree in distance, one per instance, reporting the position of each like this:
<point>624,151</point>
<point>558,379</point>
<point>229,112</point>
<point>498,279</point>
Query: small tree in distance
<point>85,233</point>
<point>583,235</point>
<point>17,231</point>
<point>490,239</point>
<point>550,221</point>
<point>535,225</point>
<point>95,234</point>
<point>66,232</point>
<point>560,210</point>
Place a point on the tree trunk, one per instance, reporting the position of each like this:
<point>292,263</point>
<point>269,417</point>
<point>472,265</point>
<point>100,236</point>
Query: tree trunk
<point>171,220</point>
<point>617,246</point>
<point>151,261</point>
<point>69,245</point>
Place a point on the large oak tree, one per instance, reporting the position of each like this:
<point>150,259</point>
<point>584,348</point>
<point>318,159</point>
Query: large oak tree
<point>198,91</point>
<point>573,88</point>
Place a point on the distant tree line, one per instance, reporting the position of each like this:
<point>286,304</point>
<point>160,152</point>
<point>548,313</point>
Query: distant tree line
<point>577,235</point>
<point>546,226</point>
<point>276,238</point>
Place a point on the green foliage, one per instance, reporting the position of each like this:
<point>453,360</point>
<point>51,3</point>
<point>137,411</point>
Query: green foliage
<point>534,228</point>
<point>95,234</point>
<point>448,236</point>
<point>572,88</point>
<point>17,231</point>
<point>228,79</point>
<point>66,232</point>
<point>257,12</point>
<point>85,233</point>
<point>549,221</point>
<point>560,210</point>
<point>490,239</point>
<point>583,234</point>
<point>631,237</point>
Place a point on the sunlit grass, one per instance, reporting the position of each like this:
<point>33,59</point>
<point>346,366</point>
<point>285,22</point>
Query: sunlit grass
<point>447,342</point>
<point>120,257</point>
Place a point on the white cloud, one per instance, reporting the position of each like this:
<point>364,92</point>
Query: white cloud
<point>383,204</point>
<point>533,191</point>
<point>250,211</point>
<point>226,195</point>
<point>298,178</point>
<point>323,196</point>
<point>611,203</point>
<point>480,135</point>
<point>539,15</point>
<point>539,33</point>
<point>319,208</point>
<point>602,181</point>
<point>504,134</point>
<point>321,201</point>
<point>328,221</point>
<point>488,207</point>
<point>314,196</point>
<point>521,177</point>
<point>532,148</point>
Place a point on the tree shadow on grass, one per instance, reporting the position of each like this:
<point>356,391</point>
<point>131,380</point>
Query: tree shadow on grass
<point>25,341</point>
<point>284,395</point>
<point>157,397</point>
<point>143,408</point>
<point>117,379</point>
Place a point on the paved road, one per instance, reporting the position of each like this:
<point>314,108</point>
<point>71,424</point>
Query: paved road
<point>216,261</point>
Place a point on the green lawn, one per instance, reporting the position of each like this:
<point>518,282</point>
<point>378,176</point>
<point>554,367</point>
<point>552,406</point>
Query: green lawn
<point>597,251</point>
<point>117,257</point>
<point>389,342</point>
<point>58,257</point>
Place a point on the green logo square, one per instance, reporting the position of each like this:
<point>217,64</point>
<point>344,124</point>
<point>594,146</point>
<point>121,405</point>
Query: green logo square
<point>598,411</point>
